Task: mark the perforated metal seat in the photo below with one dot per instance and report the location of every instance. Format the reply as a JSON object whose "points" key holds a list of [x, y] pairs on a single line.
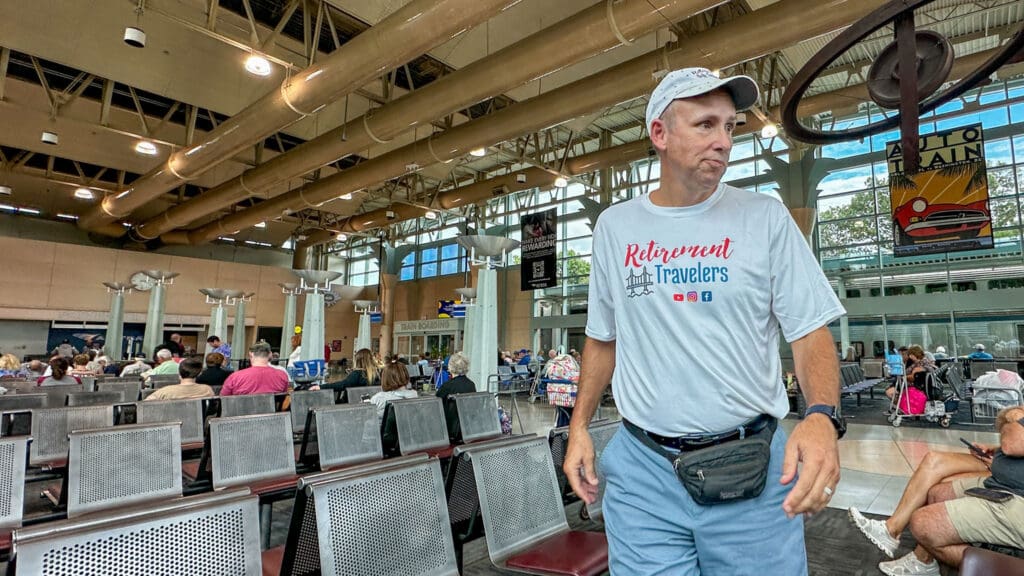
{"points": [[477, 416], [356, 394], [95, 398], [208, 534], [979, 367], [111, 467], [524, 521], [55, 395], [51, 426], [249, 450], [161, 380], [188, 412], [13, 454], [13, 402], [130, 390], [343, 435], [245, 405], [420, 426], [303, 401], [600, 435]]}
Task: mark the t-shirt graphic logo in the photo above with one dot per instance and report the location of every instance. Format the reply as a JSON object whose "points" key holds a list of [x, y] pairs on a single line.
{"points": [[705, 296], [639, 284], [691, 296]]}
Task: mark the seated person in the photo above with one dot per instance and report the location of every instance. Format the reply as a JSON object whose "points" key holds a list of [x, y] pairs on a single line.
{"points": [[917, 363], [458, 365], [94, 365], [259, 378], [10, 367], [58, 374], [214, 374], [34, 369], [188, 369], [364, 373], [137, 367], [942, 518], [81, 366], [979, 353], [394, 386]]}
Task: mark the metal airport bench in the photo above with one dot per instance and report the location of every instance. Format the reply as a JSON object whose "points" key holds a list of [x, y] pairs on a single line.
{"points": [[475, 417], [247, 404], [209, 534], [387, 517], [51, 426], [524, 519], [13, 457], [188, 412], [852, 381], [415, 425], [558, 439], [130, 389], [95, 398], [355, 394], [342, 435], [302, 401]]}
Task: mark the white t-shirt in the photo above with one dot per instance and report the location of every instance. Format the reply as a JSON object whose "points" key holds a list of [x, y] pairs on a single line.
{"points": [[381, 399], [694, 298]]}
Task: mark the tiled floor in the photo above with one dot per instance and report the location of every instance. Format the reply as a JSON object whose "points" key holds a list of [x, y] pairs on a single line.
{"points": [[876, 461]]}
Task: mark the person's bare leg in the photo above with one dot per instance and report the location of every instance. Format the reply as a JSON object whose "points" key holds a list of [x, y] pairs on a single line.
{"points": [[936, 536], [934, 468]]}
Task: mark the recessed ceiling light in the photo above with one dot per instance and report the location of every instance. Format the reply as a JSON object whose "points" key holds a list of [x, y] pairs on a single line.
{"points": [[430, 215], [257, 65], [261, 225], [67, 216], [561, 182], [478, 152], [8, 207], [84, 194], [31, 211], [341, 237], [146, 148], [347, 196], [226, 238]]}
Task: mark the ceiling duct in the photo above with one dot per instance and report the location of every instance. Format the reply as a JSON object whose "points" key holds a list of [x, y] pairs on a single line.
{"points": [[749, 36], [420, 24], [576, 38]]}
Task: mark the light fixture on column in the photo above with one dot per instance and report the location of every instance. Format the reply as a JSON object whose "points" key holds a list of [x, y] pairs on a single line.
{"points": [[316, 280], [561, 182], [290, 288], [366, 306], [466, 295], [489, 251], [219, 295]]}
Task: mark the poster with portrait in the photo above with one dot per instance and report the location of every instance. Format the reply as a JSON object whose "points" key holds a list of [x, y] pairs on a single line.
{"points": [[944, 207], [539, 269]]}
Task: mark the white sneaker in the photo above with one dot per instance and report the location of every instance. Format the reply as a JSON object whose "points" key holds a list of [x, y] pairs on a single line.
{"points": [[909, 565], [876, 531]]}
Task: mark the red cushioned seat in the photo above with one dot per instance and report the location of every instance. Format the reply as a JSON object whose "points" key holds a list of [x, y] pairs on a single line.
{"points": [[274, 485], [5, 541], [569, 553], [272, 560], [190, 469], [191, 446], [442, 453]]}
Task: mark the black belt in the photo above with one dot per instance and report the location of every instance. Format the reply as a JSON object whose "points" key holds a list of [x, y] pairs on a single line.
{"points": [[691, 442]]}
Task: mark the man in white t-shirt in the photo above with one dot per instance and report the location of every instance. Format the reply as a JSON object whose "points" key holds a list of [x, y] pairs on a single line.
{"points": [[690, 286]]}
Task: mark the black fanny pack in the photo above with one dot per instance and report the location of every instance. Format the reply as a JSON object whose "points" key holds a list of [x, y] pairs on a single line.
{"points": [[725, 471]]}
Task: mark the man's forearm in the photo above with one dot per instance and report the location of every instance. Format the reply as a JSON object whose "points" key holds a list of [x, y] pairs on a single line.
{"points": [[817, 367], [1011, 432], [595, 375]]}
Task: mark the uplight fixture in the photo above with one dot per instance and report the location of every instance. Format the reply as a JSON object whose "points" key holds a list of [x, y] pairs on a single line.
{"points": [[261, 225], [346, 196], [769, 130], [478, 152], [67, 216], [84, 194], [146, 148], [561, 182], [257, 65], [430, 215]]}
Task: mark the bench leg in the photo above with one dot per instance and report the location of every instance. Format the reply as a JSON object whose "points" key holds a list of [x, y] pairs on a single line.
{"points": [[266, 511]]}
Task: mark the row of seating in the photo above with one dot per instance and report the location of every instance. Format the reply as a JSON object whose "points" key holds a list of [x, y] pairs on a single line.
{"points": [[852, 380]]}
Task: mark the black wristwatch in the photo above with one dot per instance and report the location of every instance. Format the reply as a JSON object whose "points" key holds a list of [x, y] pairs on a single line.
{"points": [[833, 414]]}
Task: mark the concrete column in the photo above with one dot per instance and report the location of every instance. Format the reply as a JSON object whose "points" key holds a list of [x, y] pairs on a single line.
{"points": [[844, 321], [115, 327], [483, 361], [154, 333], [313, 327], [238, 338], [804, 218], [363, 335], [288, 327], [219, 327], [469, 335], [387, 297]]}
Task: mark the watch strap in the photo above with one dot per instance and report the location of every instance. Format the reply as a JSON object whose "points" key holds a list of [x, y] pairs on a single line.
{"points": [[826, 409]]}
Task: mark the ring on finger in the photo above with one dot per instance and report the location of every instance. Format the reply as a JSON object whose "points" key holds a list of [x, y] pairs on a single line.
{"points": [[828, 492]]}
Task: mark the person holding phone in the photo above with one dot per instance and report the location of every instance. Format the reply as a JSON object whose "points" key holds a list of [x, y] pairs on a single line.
{"points": [[984, 503]]}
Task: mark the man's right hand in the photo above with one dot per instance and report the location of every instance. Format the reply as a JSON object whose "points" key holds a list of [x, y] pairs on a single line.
{"points": [[579, 465]]}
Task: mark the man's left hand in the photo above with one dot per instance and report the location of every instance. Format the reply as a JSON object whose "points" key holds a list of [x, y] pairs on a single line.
{"points": [[813, 443]]}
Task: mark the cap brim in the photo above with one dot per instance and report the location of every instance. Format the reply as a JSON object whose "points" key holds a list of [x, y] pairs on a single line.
{"points": [[743, 89]]}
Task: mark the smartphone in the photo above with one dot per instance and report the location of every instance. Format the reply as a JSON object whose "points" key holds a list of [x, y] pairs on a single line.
{"points": [[978, 451], [987, 494]]}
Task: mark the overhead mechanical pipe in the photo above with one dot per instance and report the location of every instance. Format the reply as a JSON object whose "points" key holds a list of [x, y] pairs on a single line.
{"points": [[410, 31], [780, 24], [623, 154], [588, 33]]}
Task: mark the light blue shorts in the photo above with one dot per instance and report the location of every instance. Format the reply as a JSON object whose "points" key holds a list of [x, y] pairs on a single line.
{"points": [[655, 527]]}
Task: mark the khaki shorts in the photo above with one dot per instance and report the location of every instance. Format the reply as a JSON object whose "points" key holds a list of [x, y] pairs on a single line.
{"points": [[977, 520]]}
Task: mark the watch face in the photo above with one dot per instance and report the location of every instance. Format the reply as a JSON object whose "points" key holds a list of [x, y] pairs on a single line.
{"points": [[142, 282]]}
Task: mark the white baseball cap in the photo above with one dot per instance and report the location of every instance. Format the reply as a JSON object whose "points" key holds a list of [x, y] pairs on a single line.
{"points": [[689, 82]]}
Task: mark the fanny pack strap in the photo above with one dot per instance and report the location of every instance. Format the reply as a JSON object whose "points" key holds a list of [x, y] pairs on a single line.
{"points": [[646, 440]]}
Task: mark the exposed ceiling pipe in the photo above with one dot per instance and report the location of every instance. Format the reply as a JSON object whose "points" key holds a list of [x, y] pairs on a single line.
{"points": [[410, 31], [482, 191], [749, 36], [587, 33]]}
